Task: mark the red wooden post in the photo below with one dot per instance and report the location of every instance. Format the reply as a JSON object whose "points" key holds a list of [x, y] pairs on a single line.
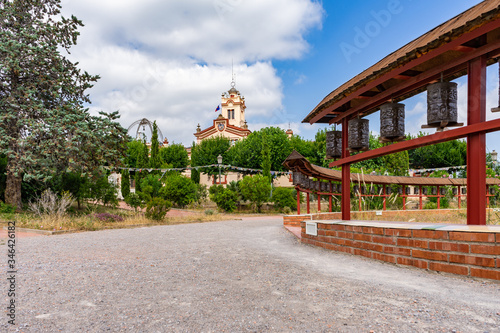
{"points": [[404, 197], [488, 196], [346, 175], [330, 197], [459, 197], [420, 195], [308, 204], [476, 143], [385, 198], [319, 203], [298, 201], [439, 197]]}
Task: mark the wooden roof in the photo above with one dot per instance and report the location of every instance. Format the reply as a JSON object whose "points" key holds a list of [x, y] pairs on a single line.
{"points": [[298, 163], [443, 50]]}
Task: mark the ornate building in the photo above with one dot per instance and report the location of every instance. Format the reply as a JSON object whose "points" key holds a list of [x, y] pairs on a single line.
{"points": [[231, 121]]}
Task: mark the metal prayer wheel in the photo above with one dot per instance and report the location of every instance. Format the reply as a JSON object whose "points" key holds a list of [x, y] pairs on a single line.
{"points": [[388, 190], [296, 178], [324, 187], [442, 190], [434, 191], [424, 191], [363, 189], [442, 104], [415, 190], [464, 190], [455, 191], [492, 190], [334, 188], [408, 191], [359, 135], [333, 144], [355, 189], [392, 122], [372, 190], [400, 190]]}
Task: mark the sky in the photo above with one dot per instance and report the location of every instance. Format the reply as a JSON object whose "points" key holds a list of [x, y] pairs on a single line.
{"points": [[169, 61]]}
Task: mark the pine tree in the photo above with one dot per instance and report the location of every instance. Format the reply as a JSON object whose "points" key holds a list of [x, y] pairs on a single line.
{"points": [[155, 160], [44, 128], [125, 184]]}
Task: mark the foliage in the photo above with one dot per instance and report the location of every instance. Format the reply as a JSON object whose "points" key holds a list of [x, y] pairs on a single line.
{"points": [[224, 198], [108, 217], [441, 155], [248, 153], [157, 208], [134, 201], [134, 150], [284, 197], [43, 97], [101, 190], [256, 189], [208, 150], [6, 208], [125, 183], [155, 160], [175, 155], [151, 187], [195, 176], [49, 205], [180, 190], [142, 162]]}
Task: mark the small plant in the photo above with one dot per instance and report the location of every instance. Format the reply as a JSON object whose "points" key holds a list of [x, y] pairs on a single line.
{"points": [[134, 201], [157, 208], [107, 217], [209, 212], [6, 208], [284, 198], [224, 198], [49, 205]]}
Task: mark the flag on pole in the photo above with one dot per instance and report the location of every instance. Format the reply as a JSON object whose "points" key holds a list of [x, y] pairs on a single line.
{"points": [[218, 108]]}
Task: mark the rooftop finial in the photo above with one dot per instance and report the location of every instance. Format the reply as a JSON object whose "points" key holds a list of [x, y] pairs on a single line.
{"points": [[233, 83]]}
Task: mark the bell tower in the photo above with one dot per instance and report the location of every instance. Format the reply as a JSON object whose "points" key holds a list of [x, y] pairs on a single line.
{"points": [[233, 106]]}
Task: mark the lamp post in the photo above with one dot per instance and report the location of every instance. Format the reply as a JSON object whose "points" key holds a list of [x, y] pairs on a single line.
{"points": [[219, 161], [494, 156]]}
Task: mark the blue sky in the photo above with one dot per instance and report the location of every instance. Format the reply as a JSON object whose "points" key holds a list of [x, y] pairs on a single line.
{"points": [[170, 61]]}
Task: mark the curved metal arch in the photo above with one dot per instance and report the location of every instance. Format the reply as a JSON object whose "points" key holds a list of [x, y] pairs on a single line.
{"points": [[143, 122]]}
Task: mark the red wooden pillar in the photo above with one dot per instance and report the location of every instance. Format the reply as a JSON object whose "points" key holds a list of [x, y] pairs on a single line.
{"points": [[330, 198], [404, 197], [420, 196], [384, 198], [298, 201], [459, 197], [346, 175], [476, 143], [439, 197], [308, 204], [319, 203], [487, 196]]}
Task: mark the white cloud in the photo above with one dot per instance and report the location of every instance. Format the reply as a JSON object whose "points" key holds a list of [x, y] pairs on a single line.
{"points": [[170, 61]]}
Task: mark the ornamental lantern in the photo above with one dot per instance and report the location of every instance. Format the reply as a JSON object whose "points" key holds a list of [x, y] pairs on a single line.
{"points": [[392, 122], [359, 134], [442, 105], [333, 144]]}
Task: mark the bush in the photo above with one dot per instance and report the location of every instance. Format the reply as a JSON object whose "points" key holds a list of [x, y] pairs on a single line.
{"points": [[6, 208], [107, 217], [180, 190], [134, 201], [256, 189], [157, 208], [224, 198], [284, 197], [50, 205]]}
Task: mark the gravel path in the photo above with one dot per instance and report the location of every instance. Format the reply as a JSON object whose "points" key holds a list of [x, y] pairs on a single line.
{"points": [[231, 276]]}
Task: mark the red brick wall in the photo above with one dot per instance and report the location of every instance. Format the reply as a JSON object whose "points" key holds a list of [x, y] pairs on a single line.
{"points": [[475, 254], [294, 220]]}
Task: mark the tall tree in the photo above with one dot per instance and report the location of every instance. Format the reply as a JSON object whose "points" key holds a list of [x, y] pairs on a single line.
{"points": [[43, 125], [175, 155], [207, 151], [154, 160], [142, 162]]}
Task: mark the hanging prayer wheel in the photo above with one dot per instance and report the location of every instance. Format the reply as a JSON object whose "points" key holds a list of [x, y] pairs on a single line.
{"points": [[434, 191], [359, 134], [355, 189], [296, 178], [442, 105], [464, 190], [334, 188], [325, 187], [424, 191], [392, 122], [442, 190], [455, 191], [492, 191], [388, 190], [333, 144], [415, 190], [400, 190], [408, 191]]}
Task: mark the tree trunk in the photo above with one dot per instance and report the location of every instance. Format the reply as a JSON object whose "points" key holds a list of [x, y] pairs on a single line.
{"points": [[13, 190]]}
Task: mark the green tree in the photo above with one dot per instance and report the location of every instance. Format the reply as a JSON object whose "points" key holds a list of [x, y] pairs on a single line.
{"points": [[256, 189], [266, 159], [284, 197], [180, 190], [175, 155], [142, 162], [155, 160], [224, 198], [441, 155], [134, 150], [207, 151], [125, 183], [42, 99]]}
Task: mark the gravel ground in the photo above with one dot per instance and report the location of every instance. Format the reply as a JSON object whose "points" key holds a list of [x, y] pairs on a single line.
{"points": [[232, 276]]}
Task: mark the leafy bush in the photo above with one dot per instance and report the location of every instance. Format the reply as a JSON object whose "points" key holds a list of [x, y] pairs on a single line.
{"points": [[209, 212], [224, 198], [180, 190], [284, 197], [6, 208], [134, 201], [256, 189], [157, 208]]}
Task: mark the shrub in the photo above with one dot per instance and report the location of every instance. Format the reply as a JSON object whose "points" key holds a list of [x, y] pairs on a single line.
{"points": [[256, 189], [107, 217], [284, 197], [6, 208], [157, 208], [50, 205], [209, 212], [224, 198], [134, 201], [180, 190]]}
